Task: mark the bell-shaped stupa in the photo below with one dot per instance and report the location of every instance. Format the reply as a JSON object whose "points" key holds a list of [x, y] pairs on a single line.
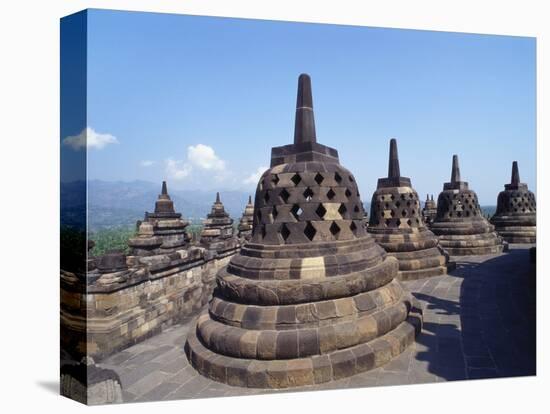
{"points": [[396, 224], [460, 224], [516, 216], [311, 298], [429, 211], [247, 219]]}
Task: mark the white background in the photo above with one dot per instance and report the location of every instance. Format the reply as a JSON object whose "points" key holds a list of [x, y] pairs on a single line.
{"points": [[29, 171]]}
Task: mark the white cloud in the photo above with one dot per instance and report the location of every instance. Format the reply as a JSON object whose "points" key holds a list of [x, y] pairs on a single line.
{"points": [[178, 170], [91, 137], [204, 157], [254, 178], [146, 163], [200, 158]]}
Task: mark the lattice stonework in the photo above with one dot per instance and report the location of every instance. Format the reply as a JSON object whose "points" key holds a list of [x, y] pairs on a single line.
{"points": [[460, 204], [516, 202], [399, 208], [300, 206]]}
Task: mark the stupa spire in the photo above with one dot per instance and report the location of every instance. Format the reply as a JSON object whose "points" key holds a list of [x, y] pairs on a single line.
{"points": [[304, 127], [394, 178], [218, 198], [305, 146], [249, 199], [393, 165], [455, 172], [164, 190], [515, 174]]}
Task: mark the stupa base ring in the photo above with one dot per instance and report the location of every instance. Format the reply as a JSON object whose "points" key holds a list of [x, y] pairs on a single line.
{"points": [[420, 264], [520, 239], [281, 373], [422, 273], [518, 234], [475, 251]]}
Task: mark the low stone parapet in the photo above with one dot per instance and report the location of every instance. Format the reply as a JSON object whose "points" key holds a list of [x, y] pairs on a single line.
{"points": [[105, 313]]}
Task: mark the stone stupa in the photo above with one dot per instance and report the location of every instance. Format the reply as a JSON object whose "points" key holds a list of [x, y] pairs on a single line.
{"points": [[161, 232], [460, 224], [311, 298], [218, 233], [247, 219], [516, 217], [396, 224], [429, 211]]}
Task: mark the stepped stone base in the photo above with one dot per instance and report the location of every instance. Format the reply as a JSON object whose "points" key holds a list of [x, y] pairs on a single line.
{"points": [[518, 234], [418, 253], [467, 245], [285, 373], [423, 273], [475, 237]]}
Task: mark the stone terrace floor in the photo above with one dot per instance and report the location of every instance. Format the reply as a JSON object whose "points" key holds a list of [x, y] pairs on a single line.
{"points": [[479, 322]]}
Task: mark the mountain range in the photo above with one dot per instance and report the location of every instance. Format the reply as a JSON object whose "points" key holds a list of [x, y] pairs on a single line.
{"points": [[121, 204]]}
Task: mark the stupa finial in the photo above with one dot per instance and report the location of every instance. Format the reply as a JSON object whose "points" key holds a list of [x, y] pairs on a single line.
{"points": [[515, 173], [164, 190], [394, 178], [218, 198], [304, 127], [393, 165], [455, 173], [249, 199]]}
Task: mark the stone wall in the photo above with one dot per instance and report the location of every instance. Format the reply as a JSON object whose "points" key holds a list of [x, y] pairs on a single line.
{"points": [[100, 319]]}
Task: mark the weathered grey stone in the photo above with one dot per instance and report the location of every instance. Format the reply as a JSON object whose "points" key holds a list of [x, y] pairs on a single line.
{"points": [[460, 224], [515, 219], [396, 223], [297, 300]]}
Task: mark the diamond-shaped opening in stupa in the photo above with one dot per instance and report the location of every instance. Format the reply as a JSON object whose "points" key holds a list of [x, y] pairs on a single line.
{"points": [[310, 231]]}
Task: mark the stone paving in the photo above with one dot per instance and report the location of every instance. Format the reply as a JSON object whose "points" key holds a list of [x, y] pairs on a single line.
{"points": [[479, 322]]}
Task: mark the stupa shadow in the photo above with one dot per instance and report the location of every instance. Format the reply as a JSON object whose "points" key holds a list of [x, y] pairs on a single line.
{"points": [[438, 305], [489, 330]]}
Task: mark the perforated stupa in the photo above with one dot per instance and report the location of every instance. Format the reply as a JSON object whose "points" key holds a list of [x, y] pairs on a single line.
{"points": [[516, 216], [396, 224], [460, 224], [311, 298]]}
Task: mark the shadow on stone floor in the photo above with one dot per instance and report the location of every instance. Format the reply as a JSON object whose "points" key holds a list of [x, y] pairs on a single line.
{"points": [[490, 331]]}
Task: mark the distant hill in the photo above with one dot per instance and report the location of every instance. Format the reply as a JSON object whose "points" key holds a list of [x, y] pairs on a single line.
{"points": [[121, 204], [73, 204], [488, 210]]}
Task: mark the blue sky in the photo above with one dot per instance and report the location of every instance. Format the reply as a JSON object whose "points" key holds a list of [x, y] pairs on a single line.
{"points": [[200, 101]]}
